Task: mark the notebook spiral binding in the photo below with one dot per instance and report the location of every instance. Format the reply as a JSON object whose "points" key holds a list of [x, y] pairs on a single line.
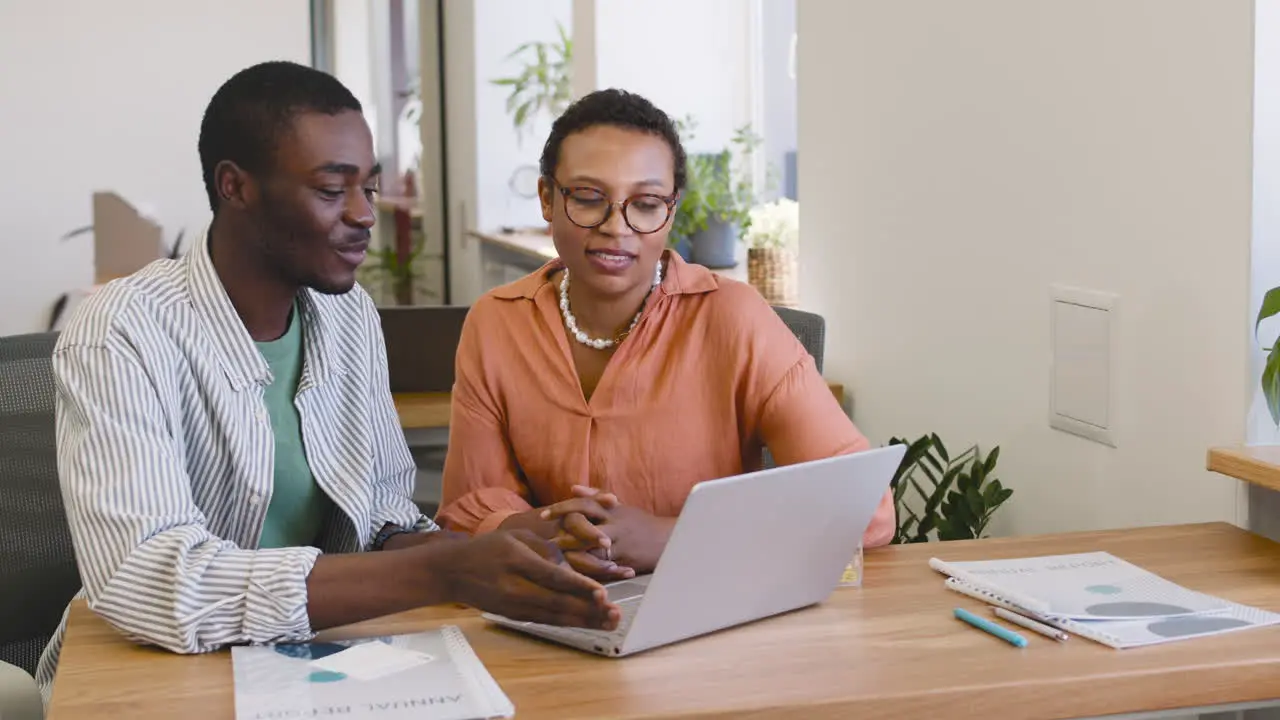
{"points": [[473, 673], [1065, 624]]}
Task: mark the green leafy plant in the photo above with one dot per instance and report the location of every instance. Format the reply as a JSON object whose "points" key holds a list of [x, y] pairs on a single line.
{"points": [[959, 494], [543, 83], [385, 264], [1271, 371], [718, 185]]}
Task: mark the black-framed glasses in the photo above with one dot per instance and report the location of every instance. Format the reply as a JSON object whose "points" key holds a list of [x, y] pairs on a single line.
{"points": [[588, 207]]}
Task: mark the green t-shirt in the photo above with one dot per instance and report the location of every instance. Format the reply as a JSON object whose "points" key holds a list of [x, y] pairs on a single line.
{"points": [[298, 505]]}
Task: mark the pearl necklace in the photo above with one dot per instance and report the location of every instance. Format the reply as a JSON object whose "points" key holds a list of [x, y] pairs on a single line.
{"points": [[571, 322]]}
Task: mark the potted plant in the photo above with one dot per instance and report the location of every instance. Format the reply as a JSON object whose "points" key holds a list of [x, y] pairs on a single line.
{"points": [[959, 493], [714, 207], [773, 240], [394, 268], [1270, 371], [543, 83]]}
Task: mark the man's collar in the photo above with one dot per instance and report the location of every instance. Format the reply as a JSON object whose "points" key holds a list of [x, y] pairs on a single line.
{"points": [[241, 359], [681, 278]]}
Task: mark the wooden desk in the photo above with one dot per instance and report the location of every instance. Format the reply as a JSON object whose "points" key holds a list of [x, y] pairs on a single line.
{"points": [[889, 650], [431, 410], [423, 410], [1257, 464]]}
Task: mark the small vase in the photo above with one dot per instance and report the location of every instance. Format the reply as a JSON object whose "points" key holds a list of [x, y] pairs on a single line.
{"points": [[772, 272]]}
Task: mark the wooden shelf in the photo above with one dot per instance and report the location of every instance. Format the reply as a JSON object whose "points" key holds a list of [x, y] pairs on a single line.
{"points": [[1256, 464], [538, 245], [391, 203]]}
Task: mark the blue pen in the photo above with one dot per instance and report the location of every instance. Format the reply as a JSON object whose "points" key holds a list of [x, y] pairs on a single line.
{"points": [[986, 625]]}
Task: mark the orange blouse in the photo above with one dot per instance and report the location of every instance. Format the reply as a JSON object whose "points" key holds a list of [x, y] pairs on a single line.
{"points": [[709, 376]]}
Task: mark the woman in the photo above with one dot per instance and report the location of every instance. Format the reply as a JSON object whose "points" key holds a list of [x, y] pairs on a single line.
{"points": [[615, 378]]}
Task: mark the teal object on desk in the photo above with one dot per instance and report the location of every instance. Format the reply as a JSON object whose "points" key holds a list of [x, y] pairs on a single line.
{"points": [[986, 625]]}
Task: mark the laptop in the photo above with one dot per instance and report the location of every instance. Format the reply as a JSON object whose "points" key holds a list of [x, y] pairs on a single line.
{"points": [[744, 548], [422, 344]]}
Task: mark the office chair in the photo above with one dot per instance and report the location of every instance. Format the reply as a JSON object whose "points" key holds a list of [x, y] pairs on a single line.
{"points": [[809, 328], [37, 561]]}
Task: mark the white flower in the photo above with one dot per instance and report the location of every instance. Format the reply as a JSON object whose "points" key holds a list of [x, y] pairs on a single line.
{"points": [[775, 225]]}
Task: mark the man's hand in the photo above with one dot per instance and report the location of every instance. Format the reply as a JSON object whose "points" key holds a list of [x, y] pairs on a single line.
{"points": [[596, 564], [521, 576], [596, 522]]}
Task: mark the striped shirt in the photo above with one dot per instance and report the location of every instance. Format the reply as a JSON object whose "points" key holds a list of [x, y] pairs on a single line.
{"points": [[166, 456]]}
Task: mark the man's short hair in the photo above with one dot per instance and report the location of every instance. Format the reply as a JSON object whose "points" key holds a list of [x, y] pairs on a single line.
{"points": [[250, 112], [618, 108]]}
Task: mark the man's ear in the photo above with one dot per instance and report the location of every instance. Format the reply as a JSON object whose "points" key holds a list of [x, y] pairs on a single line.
{"points": [[546, 196], [235, 186]]}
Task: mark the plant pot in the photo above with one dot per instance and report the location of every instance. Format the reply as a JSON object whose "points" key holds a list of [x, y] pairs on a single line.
{"points": [[682, 248], [772, 271], [716, 246], [402, 288]]}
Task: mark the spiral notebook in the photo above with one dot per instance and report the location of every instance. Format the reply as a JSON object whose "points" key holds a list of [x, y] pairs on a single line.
{"points": [[432, 674], [1101, 597]]}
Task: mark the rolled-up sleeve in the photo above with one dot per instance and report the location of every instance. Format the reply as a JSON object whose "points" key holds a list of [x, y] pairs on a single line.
{"points": [[148, 563], [801, 421], [791, 408]]}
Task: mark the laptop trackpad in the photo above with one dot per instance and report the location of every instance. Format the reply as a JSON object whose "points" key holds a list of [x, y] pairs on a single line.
{"points": [[626, 590]]}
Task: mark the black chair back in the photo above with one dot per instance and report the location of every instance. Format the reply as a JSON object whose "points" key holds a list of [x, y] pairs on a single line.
{"points": [[38, 574], [810, 329]]}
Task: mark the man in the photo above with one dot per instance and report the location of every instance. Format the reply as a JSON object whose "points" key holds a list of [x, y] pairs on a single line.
{"points": [[226, 435]]}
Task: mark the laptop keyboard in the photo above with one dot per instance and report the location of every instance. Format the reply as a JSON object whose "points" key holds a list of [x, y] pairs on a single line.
{"points": [[628, 607]]}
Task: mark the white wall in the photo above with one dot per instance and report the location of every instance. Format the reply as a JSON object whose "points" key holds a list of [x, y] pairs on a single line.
{"points": [[686, 57], [958, 158], [109, 95]]}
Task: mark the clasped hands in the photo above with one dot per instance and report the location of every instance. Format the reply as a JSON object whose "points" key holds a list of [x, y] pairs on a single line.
{"points": [[605, 539]]}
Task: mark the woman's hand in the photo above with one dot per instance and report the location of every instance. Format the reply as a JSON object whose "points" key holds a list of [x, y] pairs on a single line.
{"points": [[586, 547], [578, 518], [596, 522], [584, 555]]}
